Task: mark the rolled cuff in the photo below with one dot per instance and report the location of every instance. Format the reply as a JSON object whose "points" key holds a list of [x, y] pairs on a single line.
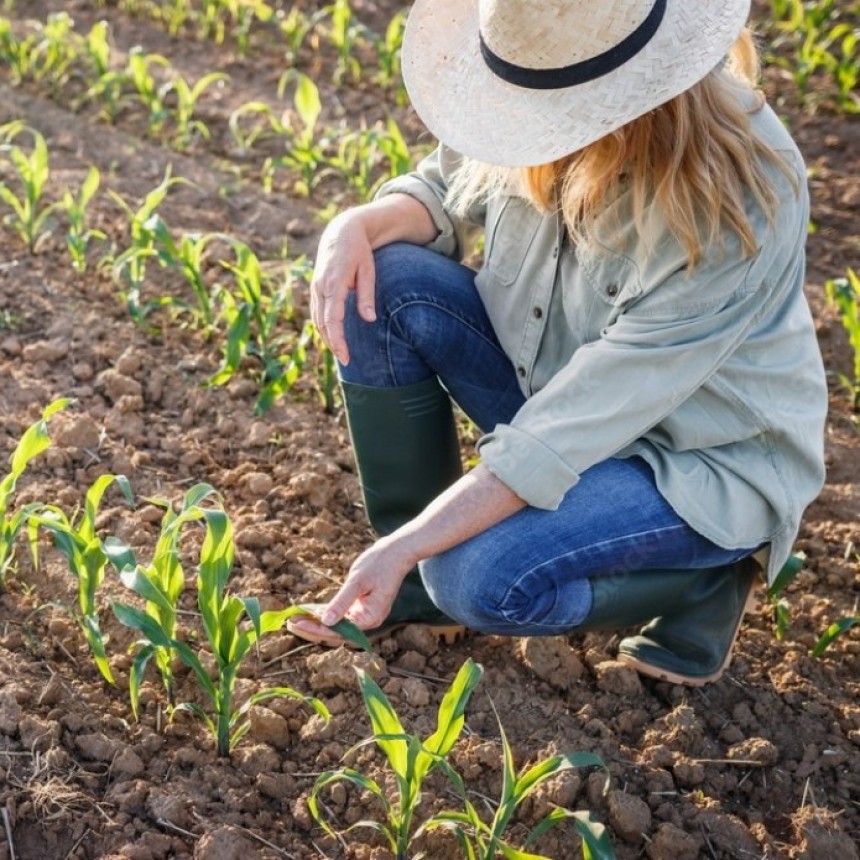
{"points": [[534, 472], [445, 242]]}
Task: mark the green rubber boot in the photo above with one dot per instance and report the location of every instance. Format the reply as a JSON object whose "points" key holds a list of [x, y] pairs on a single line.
{"points": [[406, 450], [693, 618], [692, 643]]}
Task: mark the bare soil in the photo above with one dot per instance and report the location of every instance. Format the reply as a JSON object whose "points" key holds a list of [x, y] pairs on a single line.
{"points": [[765, 763]]}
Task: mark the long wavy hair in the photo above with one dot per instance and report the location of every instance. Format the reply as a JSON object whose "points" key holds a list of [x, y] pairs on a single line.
{"points": [[695, 156]]}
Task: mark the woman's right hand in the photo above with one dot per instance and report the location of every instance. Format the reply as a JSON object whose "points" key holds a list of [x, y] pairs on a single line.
{"points": [[344, 262]]}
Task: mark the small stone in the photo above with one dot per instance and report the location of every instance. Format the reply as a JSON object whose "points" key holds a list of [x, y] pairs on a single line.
{"points": [[671, 843], [754, 749], [688, 773], [270, 728], [83, 371], [10, 712], [415, 692], [259, 435], [629, 816], [96, 747], [129, 362], [129, 403], [38, 735], [224, 843], [552, 660], [11, 346], [82, 432], [116, 385], [259, 484], [127, 764], [335, 669], [46, 350], [618, 679]]}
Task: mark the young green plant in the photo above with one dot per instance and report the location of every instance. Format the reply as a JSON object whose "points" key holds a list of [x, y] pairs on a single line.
{"points": [[484, 841], [844, 295], [144, 227], [33, 442], [28, 215], [410, 758], [79, 235], [253, 314], [76, 539], [229, 639], [186, 97], [161, 583]]}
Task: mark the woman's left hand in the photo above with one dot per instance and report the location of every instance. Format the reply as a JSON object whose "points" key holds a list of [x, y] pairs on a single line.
{"points": [[368, 593]]}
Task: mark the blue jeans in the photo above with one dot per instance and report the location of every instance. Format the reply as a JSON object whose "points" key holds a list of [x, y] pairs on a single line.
{"points": [[530, 574]]}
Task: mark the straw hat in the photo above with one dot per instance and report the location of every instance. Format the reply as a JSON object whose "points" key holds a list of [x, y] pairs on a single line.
{"points": [[524, 82]]}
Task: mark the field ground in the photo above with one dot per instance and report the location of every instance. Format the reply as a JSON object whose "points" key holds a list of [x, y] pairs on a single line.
{"points": [[765, 763]]}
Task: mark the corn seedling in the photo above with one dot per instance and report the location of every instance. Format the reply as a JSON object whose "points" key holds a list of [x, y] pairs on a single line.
{"points": [[779, 604], [296, 26], [28, 216], [57, 49], [188, 257], [844, 295], [485, 841], [160, 584], [144, 228], [410, 758], [108, 86], [33, 442], [360, 154], [229, 640], [78, 235], [149, 92], [304, 154], [833, 632], [387, 49], [18, 53], [186, 97], [76, 539], [821, 43], [253, 314], [344, 33]]}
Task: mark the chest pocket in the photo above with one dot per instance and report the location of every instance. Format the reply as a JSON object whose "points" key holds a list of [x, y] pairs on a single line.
{"points": [[613, 278], [511, 227]]}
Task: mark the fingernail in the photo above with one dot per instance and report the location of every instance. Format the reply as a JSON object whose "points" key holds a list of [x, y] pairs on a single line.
{"points": [[369, 312], [328, 618]]}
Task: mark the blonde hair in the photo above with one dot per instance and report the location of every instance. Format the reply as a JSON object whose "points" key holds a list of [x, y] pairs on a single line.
{"points": [[695, 156]]}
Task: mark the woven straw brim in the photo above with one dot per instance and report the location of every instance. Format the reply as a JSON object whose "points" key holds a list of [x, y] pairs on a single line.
{"points": [[479, 115]]}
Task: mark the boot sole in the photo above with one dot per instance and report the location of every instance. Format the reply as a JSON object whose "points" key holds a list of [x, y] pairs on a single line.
{"points": [[652, 671], [447, 633]]}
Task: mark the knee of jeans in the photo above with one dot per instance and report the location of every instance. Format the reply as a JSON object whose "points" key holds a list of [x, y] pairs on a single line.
{"points": [[467, 599]]}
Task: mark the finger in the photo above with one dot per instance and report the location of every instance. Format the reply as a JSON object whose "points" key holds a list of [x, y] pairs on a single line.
{"points": [[365, 289], [340, 604]]}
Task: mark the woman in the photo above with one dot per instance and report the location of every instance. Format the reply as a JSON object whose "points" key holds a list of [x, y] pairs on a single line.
{"points": [[636, 346]]}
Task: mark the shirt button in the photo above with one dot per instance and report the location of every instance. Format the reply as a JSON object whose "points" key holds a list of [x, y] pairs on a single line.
{"points": [[521, 371], [537, 313], [555, 251], [612, 291]]}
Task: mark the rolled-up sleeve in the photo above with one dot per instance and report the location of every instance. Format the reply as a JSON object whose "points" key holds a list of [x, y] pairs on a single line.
{"points": [[428, 184], [617, 388]]}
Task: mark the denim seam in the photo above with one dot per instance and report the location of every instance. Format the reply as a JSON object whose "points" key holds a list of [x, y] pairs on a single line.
{"points": [[439, 307]]}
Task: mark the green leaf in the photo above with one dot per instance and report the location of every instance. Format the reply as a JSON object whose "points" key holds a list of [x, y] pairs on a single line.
{"points": [[833, 632], [384, 721], [786, 574], [595, 838]]}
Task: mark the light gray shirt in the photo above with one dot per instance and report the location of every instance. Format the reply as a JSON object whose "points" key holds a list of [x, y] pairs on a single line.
{"points": [[713, 376]]}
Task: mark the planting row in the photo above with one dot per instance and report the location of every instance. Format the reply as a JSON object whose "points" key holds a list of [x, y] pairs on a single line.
{"points": [[85, 70], [232, 628]]}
